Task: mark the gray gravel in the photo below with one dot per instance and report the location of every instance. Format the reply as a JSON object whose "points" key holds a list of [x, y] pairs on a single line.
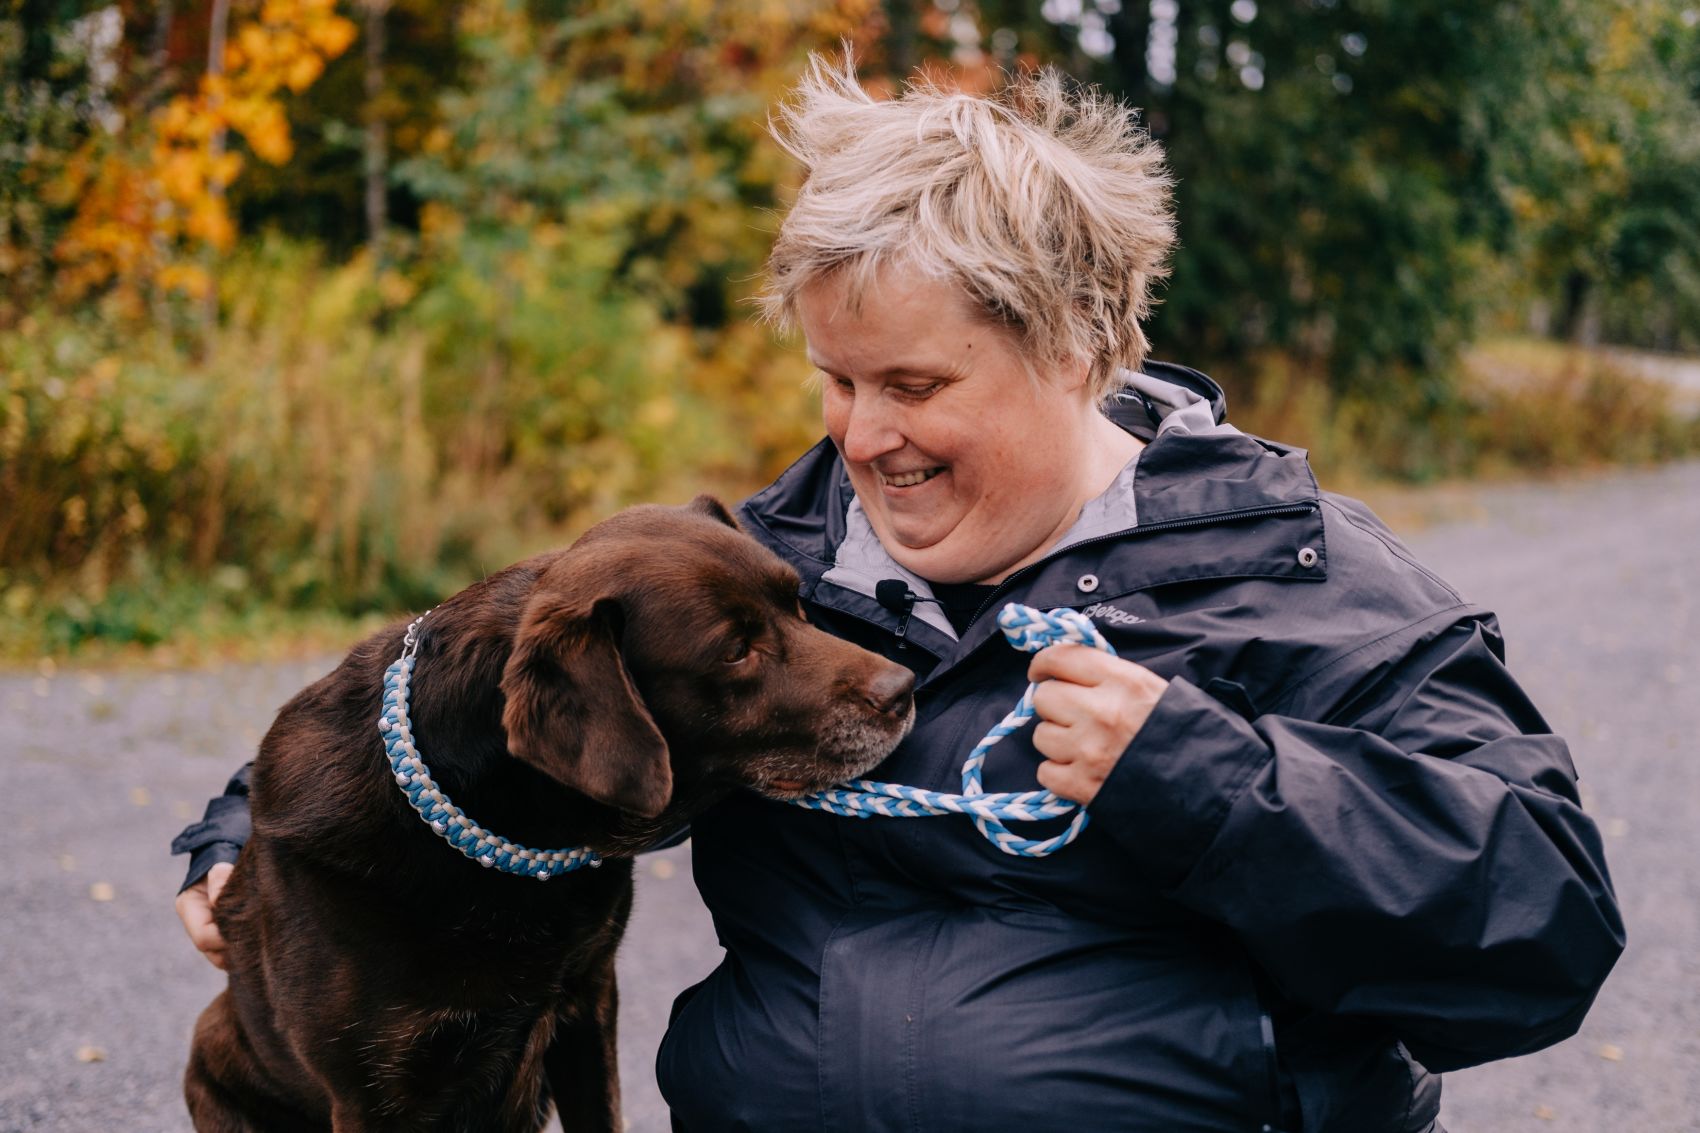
{"points": [[1594, 580]]}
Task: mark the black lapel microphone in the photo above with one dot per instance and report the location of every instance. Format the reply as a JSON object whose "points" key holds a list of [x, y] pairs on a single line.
{"points": [[894, 594]]}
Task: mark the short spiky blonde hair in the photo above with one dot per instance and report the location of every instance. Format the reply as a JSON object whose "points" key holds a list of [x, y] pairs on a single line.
{"points": [[1046, 204]]}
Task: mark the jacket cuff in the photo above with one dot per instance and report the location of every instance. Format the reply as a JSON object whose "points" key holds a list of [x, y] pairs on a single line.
{"points": [[202, 860], [1173, 787], [227, 820]]}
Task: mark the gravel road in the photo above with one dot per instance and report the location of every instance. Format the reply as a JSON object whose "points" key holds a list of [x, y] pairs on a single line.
{"points": [[1596, 584]]}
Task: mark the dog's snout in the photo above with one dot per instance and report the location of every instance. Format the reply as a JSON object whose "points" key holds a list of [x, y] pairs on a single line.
{"points": [[888, 691]]}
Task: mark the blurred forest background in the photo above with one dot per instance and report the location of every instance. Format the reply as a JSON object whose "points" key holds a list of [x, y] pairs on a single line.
{"points": [[313, 310]]}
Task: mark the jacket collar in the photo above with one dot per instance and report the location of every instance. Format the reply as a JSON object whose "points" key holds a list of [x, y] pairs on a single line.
{"points": [[1195, 471]]}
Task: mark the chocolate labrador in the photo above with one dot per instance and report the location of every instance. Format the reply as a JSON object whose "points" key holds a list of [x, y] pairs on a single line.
{"points": [[593, 699]]}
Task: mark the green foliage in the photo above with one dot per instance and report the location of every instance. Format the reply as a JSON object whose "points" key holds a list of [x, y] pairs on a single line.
{"points": [[313, 456], [1351, 171], [580, 197], [617, 127]]}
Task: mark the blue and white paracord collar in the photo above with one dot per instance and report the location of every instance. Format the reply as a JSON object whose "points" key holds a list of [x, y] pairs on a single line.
{"points": [[1028, 630], [447, 820]]}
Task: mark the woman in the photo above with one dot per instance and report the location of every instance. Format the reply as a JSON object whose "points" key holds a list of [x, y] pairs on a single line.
{"points": [[1333, 850]]}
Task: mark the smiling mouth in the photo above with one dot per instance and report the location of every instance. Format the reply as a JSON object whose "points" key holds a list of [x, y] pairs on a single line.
{"points": [[910, 479]]}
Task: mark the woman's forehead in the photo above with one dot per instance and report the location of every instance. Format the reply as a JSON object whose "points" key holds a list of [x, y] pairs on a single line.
{"points": [[903, 326]]}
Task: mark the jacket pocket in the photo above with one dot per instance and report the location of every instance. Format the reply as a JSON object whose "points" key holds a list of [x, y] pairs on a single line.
{"points": [[1264, 1077]]}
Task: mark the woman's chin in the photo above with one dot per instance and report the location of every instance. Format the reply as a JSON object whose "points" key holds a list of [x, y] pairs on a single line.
{"points": [[940, 563]]}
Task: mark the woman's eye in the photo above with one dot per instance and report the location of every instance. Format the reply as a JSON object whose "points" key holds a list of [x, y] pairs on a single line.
{"points": [[919, 392]]}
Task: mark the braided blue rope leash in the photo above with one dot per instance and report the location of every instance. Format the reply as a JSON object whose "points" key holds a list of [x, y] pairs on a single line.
{"points": [[1028, 630], [445, 818]]}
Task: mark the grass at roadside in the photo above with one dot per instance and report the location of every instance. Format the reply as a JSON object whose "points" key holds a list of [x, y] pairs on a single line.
{"points": [[1518, 408]]}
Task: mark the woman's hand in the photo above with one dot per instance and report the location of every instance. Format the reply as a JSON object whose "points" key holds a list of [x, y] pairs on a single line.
{"points": [[195, 910], [1090, 706]]}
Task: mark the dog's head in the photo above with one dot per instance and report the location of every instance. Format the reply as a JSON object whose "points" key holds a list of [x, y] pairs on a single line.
{"points": [[665, 655]]}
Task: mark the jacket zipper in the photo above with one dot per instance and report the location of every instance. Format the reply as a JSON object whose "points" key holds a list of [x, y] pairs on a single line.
{"points": [[903, 623]]}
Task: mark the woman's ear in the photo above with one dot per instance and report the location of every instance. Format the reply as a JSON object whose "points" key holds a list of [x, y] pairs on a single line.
{"points": [[573, 712]]}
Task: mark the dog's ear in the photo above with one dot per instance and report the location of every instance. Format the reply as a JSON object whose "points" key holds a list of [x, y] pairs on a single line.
{"points": [[573, 713], [708, 505]]}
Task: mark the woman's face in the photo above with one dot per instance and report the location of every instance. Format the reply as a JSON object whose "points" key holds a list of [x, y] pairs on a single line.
{"points": [[967, 468]]}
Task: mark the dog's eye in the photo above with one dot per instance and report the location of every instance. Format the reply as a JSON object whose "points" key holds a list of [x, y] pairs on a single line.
{"points": [[737, 653]]}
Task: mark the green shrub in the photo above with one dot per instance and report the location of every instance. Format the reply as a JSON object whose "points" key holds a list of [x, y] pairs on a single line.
{"points": [[341, 444]]}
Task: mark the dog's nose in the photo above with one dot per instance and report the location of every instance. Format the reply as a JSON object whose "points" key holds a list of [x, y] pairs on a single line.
{"points": [[889, 691]]}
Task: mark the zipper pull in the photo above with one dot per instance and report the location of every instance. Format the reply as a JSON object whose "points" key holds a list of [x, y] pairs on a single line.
{"points": [[903, 623], [894, 594]]}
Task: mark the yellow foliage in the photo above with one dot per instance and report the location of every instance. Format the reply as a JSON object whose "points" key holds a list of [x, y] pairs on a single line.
{"points": [[147, 206], [303, 72]]}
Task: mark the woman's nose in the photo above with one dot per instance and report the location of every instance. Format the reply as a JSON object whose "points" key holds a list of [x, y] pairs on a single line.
{"points": [[869, 432]]}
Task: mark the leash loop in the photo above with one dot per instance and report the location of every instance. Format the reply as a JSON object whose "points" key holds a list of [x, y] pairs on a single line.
{"points": [[1028, 630]]}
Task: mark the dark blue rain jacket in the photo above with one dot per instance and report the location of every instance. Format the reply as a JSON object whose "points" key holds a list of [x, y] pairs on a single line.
{"points": [[1344, 854]]}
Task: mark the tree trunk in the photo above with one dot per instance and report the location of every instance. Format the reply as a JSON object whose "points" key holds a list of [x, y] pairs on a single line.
{"points": [[159, 78], [216, 36], [159, 55], [902, 23], [1581, 309], [377, 132]]}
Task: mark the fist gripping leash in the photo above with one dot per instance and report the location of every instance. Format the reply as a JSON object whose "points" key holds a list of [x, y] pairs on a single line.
{"points": [[1028, 630]]}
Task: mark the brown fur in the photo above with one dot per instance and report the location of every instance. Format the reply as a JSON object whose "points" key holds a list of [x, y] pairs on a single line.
{"points": [[596, 696]]}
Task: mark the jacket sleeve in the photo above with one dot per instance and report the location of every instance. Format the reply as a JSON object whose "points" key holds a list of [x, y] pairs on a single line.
{"points": [[221, 832], [224, 829], [1411, 852]]}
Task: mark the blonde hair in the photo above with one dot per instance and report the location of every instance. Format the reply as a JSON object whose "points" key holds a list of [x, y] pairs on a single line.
{"points": [[1047, 205]]}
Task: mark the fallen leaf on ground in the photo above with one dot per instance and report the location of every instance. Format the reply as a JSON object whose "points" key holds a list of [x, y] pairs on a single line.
{"points": [[139, 796], [662, 869], [67, 862], [90, 1054], [102, 891], [1545, 1112], [1611, 1052]]}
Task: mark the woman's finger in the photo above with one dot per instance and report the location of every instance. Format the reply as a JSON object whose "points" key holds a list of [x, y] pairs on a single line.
{"points": [[1052, 741], [1060, 702], [1077, 664]]}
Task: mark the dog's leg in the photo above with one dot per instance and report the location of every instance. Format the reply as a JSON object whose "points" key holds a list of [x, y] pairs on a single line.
{"points": [[583, 1061], [219, 1066], [225, 1086]]}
